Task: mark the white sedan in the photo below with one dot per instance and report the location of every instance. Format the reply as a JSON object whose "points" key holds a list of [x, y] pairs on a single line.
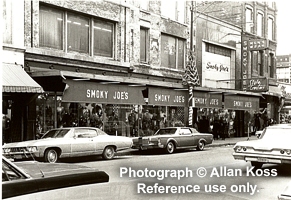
{"points": [[273, 146], [68, 142]]}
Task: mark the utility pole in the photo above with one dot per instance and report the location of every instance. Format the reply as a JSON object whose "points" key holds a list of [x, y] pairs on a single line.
{"points": [[191, 77]]}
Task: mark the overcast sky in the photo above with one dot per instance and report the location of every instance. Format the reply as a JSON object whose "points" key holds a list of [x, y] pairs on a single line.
{"points": [[283, 27]]}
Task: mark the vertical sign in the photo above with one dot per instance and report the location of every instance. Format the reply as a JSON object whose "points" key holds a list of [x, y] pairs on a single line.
{"points": [[244, 62]]}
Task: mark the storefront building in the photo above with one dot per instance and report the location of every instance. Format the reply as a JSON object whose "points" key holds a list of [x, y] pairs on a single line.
{"points": [[19, 90], [117, 108]]}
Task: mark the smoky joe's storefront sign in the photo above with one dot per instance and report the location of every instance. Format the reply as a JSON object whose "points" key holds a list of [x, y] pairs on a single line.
{"points": [[168, 97], [81, 91], [241, 103], [207, 100]]}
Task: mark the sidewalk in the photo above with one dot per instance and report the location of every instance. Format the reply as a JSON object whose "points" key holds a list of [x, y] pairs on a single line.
{"points": [[215, 143], [230, 141]]}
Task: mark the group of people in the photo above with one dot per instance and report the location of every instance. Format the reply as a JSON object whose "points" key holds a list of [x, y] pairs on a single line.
{"points": [[219, 127]]}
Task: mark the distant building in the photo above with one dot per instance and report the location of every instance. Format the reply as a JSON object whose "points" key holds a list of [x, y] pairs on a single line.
{"points": [[283, 70]]}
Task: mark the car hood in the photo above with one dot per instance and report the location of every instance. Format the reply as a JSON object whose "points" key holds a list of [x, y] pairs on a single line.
{"points": [[38, 169], [32, 142], [265, 144]]}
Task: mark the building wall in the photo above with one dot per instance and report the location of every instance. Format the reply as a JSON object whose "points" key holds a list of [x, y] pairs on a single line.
{"points": [[235, 13], [284, 68], [13, 32], [213, 31], [128, 18]]}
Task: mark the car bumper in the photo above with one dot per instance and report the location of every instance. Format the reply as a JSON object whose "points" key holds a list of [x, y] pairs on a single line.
{"points": [[20, 156], [262, 158], [148, 146]]}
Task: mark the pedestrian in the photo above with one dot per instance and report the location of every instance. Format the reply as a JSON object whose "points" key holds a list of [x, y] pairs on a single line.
{"points": [[204, 125], [216, 127], [224, 127]]}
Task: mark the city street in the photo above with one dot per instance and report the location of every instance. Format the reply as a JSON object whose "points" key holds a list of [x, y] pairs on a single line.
{"points": [[144, 176]]}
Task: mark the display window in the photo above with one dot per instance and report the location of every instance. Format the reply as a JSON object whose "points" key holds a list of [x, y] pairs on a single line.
{"points": [[115, 119]]}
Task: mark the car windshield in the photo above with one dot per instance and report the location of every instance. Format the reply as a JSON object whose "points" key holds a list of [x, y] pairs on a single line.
{"points": [[166, 131], [274, 134], [60, 133]]}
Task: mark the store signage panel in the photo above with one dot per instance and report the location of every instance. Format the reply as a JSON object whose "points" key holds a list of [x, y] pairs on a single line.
{"points": [[244, 62], [207, 100], [241, 103], [81, 91], [257, 44], [257, 85], [215, 67], [215, 100], [168, 97]]}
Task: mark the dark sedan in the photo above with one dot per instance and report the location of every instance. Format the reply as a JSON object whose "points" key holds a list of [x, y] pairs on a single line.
{"points": [[173, 138]]}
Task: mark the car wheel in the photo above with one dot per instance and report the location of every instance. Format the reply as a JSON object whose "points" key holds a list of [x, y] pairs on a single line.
{"points": [[256, 165], [108, 153], [51, 156], [170, 148], [201, 145]]}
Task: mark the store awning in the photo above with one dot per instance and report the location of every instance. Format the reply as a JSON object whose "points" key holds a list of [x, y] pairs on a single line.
{"points": [[93, 92], [15, 79], [236, 102]]}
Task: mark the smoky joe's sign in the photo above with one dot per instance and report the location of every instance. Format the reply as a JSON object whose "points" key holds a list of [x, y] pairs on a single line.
{"points": [[217, 67], [171, 97], [78, 91]]}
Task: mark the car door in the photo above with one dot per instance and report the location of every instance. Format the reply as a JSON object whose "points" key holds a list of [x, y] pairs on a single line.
{"points": [[186, 137], [83, 142]]}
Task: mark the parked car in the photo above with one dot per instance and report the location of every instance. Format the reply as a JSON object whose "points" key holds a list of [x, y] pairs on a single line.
{"points": [[17, 183], [68, 142], [273, 146], [173, 138]]}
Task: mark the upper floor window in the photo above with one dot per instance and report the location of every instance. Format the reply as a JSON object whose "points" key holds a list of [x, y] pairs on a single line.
{"points": [[174, 10], [144, 44], [270, 28], [212, 48], [51, 24], [249, 19], [173, 52], [103, 38], [70, 31], [260, 20], [78, 33]]}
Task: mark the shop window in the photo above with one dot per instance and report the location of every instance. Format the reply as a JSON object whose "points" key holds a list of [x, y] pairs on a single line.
{"points": [[113, 119], [144, 40], [79, 36], [173, 52]]}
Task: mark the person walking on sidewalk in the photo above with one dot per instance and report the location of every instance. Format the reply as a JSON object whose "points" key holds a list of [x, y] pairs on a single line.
{"points": [[216, 127], [224, 127]]}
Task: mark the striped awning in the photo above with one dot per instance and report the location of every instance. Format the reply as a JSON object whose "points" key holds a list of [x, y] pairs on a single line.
{"points": [[15, 79]]}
